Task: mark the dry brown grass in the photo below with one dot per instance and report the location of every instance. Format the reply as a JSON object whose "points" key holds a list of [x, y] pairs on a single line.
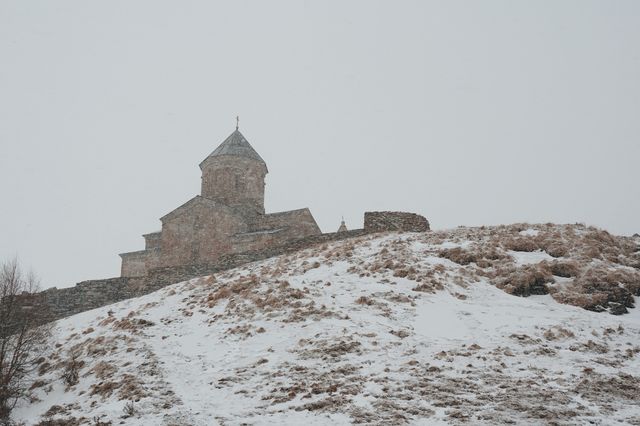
{"points": [[103, 370], [108, 320], [558, 332], [526, 280], [526, 244], [601, 278], [364, 300], [104, 388], [609, 288], [593, 258], [604, 389], [483, 257], [132, 324], [565, 268], [129, 388], [556, 249], [38, 384], [221, 293], [430, 286]]}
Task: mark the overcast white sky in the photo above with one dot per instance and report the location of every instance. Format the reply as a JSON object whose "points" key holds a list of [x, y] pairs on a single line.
{"points": [[470, 113]]}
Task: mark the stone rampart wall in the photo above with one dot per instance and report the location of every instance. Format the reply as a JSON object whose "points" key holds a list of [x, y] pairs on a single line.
{"points": [[93, 294], [395, 221]]}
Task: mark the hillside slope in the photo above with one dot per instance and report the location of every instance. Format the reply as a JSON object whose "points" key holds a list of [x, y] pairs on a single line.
{"points": [[387, 329]]}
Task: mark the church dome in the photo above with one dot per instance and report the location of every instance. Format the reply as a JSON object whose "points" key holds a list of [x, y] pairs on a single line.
{"points": [[234, 175], [235, 145]]}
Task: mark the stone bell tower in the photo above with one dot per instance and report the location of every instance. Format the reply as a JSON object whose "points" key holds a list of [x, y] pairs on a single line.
{"points": [[234, 174]]}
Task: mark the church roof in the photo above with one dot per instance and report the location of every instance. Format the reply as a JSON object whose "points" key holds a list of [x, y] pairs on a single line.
{"points": [[236, 144]]}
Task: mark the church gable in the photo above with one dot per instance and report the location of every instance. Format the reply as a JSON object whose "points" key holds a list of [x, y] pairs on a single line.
{"points": [[198, 232], [190, 205]]}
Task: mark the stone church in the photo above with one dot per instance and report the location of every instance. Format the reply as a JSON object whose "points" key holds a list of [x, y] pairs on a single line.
{"points": [[227, 217]]}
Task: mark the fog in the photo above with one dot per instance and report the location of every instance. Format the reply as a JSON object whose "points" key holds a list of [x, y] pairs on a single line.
{"points": [[470, 113]]}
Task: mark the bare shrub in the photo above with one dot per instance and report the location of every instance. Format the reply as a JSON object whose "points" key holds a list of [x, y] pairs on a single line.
{"points": [[97, 421], [71, 372], [22, 335], [129, 409]]}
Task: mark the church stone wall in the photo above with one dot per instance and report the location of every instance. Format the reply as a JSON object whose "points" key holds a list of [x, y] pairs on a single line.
{"points": [[203, 231], [295, 223], [200, 234], [152, 241], [235, 182], [134, 264], [275, 229]]}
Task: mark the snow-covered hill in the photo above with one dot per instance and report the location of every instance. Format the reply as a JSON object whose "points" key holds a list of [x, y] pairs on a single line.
{"points": [[387, 329]]}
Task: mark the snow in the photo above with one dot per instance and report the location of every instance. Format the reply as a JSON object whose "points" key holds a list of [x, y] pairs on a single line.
{"points": [[435, 319], [320, 339], [528, 258]]}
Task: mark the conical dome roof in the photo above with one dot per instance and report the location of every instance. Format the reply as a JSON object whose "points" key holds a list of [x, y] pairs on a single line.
{"points": [[236, 144]]}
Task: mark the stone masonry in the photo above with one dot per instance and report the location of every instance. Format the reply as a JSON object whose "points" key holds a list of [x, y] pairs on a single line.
{"points": [[228, 217], [394, 221]]}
